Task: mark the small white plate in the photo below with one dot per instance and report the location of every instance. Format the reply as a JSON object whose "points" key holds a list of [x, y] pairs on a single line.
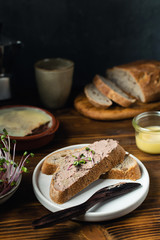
{"points": [[105, 210]]}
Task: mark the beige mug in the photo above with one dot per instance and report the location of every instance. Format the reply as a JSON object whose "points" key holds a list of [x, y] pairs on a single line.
{"points": [[54, 81]]}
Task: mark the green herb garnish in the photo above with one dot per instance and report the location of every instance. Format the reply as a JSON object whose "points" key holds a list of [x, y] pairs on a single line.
{"points": [[87, 148], [82, 159]]}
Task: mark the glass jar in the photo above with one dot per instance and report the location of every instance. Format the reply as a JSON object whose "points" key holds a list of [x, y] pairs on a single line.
{"points": [[147, 131]]}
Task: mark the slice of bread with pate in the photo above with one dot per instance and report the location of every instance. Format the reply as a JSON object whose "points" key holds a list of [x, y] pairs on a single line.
{"points": [[81, 168], [54, 161], [128, 169]]}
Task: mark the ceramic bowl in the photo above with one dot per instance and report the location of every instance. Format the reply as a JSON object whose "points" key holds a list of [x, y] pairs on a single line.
{"points": [[36, 140], [9, 194]]}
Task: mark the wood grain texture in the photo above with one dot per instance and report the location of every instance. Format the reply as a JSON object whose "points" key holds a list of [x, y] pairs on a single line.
{"points": [[114, 112], [144, 223]]}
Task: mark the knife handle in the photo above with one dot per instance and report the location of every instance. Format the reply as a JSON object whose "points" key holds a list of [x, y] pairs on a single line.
{"points": [[59, 216]]}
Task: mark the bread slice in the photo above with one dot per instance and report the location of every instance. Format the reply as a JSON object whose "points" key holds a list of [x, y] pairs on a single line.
{"points": [[112, 91], [128, 169], [56, 159], [69, 179], [140, 79], [95, 97]]}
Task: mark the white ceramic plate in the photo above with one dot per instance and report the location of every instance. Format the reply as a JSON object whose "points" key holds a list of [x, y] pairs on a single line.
{"points": [[102, 211]]}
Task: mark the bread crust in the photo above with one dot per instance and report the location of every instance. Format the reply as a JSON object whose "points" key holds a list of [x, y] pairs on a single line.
{"points": [[147, 75], [115, 156], [132, 173], [111, 93]]}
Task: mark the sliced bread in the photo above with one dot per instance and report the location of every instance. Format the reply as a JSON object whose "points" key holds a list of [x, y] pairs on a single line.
{"points": [[112, 91], [84, 167], [128, 169], [95, 97], [55, 160], [141, 79]]}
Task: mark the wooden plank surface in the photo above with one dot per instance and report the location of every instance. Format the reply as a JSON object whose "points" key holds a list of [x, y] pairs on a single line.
{"points": [[17, 214]]}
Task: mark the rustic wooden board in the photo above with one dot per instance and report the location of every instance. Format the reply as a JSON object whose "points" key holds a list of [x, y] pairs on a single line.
{"points": [[114, 112]]}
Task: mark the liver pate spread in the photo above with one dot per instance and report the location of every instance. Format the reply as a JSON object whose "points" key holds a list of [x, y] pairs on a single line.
{"points": [[79, 163]]}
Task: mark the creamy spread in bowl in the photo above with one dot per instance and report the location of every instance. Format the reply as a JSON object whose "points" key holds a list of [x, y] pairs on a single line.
{"points": [[23, 121], [30, 126]]}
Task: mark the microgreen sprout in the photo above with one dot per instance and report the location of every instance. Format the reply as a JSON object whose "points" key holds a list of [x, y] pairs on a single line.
{"points": [[10, 171], [82, 159], [87, 148]]}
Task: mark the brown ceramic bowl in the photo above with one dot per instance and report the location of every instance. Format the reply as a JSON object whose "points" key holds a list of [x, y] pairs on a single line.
{"points": [[36, 140]]}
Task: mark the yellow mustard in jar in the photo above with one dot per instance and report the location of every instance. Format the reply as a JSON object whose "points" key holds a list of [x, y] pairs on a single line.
{"points": [[147, 131], [149, 141]]}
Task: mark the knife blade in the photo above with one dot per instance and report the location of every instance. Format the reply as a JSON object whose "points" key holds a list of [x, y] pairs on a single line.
{"points": [[105, 193]]}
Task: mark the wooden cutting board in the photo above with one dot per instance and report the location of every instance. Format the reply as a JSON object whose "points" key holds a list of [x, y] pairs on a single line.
{"points": [[114, 112]]}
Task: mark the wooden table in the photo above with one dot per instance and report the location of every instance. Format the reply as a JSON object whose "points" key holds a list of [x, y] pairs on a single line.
{"points": [[17, 214]]}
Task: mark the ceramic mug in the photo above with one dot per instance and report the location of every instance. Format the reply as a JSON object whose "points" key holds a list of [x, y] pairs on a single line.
{"points": [[54, 81]]}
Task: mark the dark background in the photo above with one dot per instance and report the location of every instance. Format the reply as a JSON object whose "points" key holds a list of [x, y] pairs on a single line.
{"points": [[95, 34]]}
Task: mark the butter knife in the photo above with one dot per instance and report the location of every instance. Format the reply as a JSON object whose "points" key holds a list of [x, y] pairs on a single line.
{"points": [[105, 193]]}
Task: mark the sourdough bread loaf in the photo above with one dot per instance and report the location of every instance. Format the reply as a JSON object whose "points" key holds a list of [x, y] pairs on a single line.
{"points": [[97, 158], [95, 97], [141, 79], [128, 169], [112, 91]]}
